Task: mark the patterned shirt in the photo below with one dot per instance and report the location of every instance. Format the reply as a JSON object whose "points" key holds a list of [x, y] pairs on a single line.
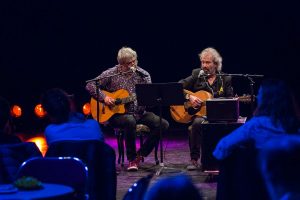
{"points": [[114, 79]]}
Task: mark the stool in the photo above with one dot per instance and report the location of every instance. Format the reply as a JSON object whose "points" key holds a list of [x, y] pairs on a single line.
{"points": [[141, 131]]}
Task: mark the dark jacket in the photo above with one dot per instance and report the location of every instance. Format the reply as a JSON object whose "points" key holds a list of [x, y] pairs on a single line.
{"points": [[220, 88]]}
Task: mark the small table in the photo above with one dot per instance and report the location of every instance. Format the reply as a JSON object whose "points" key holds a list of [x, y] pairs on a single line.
{"points": [[212, 133], [48, 191]]}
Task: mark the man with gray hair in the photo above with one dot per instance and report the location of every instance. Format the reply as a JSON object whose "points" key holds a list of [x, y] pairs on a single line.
{"points": [[206, 79], [124, 76]]}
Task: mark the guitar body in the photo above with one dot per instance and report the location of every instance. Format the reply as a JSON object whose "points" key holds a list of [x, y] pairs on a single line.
{"points": [[184, 113], [106, 112]]}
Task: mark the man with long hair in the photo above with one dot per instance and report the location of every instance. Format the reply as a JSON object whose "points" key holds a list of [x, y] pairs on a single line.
{"points": [[207, 78]]}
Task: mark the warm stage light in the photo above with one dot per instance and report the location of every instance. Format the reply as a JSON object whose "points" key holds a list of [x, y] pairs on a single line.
{"points": [[86, 109], [39, 111], [41, 143], [16, 111]]}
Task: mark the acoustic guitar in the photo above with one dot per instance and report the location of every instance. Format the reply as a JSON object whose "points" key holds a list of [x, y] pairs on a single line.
{"points": [[106, 112], [185, 113]]}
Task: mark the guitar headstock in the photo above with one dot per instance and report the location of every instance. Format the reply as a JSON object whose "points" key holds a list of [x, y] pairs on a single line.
{"points": [[246, 98]]}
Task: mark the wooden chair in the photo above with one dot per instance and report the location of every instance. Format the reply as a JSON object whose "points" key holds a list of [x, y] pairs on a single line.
{"points": [[141, 131]]}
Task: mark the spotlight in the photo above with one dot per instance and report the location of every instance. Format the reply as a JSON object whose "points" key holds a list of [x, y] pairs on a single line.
{"points": [[16, 111], [39, 111], [86, 109]]}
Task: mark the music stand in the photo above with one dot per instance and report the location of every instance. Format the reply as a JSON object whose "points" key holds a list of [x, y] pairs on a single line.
{"points": [[160, 94]]}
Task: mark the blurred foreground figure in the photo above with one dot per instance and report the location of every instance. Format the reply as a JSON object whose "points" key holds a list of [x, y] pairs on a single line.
{"points": [[174, 187], [275, 115]]}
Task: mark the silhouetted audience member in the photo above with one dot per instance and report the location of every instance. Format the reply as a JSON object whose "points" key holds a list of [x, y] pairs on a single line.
{"points": [[6, 129], [174, 187], [279, 165], [275, 115], [66, 123], [138, 189]]}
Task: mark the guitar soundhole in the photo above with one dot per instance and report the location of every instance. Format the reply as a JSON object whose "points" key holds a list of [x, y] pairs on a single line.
{"points": [[192, 110], [118, 101]]}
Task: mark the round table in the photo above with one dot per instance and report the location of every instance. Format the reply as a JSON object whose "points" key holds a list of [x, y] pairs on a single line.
{"points": [[48, 191]]}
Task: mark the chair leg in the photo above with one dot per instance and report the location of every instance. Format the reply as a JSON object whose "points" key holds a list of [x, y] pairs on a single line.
{"points": [[141, 143], [120, 147], [123, 151], [155, 154]]}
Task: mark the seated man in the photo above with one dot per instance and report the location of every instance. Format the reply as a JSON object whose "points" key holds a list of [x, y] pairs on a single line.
{"points": [[125, 75], [66, 124], [206, 79]]}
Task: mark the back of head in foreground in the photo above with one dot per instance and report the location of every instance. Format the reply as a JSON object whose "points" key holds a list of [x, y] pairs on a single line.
{"points": [[279, 164], [57, 104], [174, 187], [276, 100]]}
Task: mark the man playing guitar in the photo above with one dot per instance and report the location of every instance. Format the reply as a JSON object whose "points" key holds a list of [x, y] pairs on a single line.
{"points": [[206, 78], [119, 83]]}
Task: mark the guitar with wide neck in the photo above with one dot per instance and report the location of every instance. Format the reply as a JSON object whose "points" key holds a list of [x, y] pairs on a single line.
{"points": [[121, 97], [185, 113]]}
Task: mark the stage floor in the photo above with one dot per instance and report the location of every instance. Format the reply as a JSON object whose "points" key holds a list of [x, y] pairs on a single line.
{"points": [[176, 156]]}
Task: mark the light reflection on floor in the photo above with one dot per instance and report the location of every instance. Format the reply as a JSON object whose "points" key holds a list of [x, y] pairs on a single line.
{"points": [[40, 141]]}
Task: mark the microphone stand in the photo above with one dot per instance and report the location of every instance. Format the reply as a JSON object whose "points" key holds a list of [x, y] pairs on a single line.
{"points": [[96, 80], [251, 83]]}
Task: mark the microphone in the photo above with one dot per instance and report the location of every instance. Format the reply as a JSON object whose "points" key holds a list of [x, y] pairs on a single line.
{"points": [[135, 70], [202, 74]]}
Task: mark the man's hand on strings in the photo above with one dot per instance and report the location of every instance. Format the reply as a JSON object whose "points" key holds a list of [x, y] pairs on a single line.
{"points": [[195, 101], [109, 101]]}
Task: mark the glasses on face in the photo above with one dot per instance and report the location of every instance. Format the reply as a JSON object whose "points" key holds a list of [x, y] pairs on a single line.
{"points": [[131, 62]]}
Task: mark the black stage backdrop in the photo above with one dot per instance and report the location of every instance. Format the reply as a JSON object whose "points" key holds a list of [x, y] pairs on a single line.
{"points": [[60, 43]]}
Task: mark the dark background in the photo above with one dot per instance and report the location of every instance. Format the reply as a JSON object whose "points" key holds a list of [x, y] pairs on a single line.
{"points": [[60, 43]]}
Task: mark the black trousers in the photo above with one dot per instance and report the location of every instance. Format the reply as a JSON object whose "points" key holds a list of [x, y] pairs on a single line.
{"points": [[195, 138], [128, 123]]}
